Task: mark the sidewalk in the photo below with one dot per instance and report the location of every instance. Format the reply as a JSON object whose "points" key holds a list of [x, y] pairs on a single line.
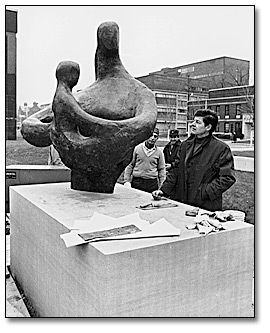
{"points": [[240, 146], [244, 163], [15, 306], [240, 162]]}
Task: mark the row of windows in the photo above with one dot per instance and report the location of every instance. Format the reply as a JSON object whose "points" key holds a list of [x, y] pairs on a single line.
{"points": [[186, 70], [165, 110], [182, 104], [173, 110], [227, 109], [166, 95], [166, 116], [207, 75], [165, 101], [229, 127], [171, 102]]}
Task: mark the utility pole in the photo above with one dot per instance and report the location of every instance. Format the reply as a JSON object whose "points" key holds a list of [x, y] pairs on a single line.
{"points": [[176, 111], [187, 103], [187, 87]]}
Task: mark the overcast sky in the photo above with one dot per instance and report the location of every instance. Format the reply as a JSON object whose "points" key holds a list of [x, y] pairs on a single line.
{"points": [[151, 38]]}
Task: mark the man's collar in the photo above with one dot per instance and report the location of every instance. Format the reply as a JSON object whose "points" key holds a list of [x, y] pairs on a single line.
{"points": [[149, 148]]}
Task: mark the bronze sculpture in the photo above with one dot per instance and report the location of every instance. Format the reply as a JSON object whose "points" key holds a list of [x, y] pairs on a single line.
{"points": [[96, 129]]}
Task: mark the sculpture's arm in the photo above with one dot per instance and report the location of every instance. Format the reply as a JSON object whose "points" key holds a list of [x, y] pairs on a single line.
{"points": [[64, 102], [36, 128]]}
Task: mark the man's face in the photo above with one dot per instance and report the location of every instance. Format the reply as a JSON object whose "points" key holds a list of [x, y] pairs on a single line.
{"points": [[153, 139], [198, 127], [173, 139]]}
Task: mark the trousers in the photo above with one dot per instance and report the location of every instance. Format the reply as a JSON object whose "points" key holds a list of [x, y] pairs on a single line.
{"points": [[147, 185]]}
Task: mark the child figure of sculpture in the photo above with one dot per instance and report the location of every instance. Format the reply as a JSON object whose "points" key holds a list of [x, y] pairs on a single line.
{"points": [[96, 129]]}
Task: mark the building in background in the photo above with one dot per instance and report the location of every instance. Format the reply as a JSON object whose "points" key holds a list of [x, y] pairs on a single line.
{"points": [[215, 73], [35, 108], [179, 91], [172, 95], [234, 107], [26, 111], [10, 73], [22, 114], [178, 88]]}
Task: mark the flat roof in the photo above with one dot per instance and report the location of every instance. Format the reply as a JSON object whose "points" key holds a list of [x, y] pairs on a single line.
{"points": [[234, 87], [197, 62]]}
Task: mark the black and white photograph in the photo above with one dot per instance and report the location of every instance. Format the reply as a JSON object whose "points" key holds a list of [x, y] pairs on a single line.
{"points": [[130, 161]]}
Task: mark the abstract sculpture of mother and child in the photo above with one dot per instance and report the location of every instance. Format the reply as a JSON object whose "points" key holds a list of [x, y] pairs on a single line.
{"points": [[96, 129]]}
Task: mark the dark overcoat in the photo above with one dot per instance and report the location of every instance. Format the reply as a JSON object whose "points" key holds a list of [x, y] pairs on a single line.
{"points": [[171, 156], [202, 177]]}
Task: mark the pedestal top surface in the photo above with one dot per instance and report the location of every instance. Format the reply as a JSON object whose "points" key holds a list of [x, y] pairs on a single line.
{"points": [[66, 205]]}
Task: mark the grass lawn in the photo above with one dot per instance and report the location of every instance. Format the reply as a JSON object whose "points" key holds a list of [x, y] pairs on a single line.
{"points": [[21, 152], [239, 197]]}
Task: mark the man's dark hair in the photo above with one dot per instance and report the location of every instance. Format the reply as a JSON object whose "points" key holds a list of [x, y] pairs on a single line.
{"points": [[209, 117]]}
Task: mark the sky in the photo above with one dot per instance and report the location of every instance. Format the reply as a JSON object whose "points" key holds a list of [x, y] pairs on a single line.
{"points": [[151, 38]]}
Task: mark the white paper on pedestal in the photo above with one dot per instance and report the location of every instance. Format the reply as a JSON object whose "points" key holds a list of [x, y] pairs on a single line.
{"points": [[99, 222]]}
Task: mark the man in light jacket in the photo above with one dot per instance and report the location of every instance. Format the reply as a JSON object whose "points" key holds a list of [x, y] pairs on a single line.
{"points": [[146, 171]]}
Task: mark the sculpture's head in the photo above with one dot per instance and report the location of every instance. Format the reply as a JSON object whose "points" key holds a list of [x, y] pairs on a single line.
{"points": [[108, 35], [68, 72]]}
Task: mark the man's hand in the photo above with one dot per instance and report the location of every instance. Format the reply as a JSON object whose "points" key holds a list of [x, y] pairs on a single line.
{"points": [[157, 194], [168, 166], [127, 184]]}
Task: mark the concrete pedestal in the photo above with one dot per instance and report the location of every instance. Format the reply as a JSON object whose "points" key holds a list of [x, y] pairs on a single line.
{"points": [[186, 276]]}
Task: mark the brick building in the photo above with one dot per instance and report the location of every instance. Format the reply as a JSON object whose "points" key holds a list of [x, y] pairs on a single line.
{"points": [[35, 108], [10, 73], [234, 107], [26, 111], [177, 88], [172, 95], [214, 73]]}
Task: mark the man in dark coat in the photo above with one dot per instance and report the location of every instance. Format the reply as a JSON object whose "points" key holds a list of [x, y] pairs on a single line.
{"points": [[205, 169], [171, 149]]}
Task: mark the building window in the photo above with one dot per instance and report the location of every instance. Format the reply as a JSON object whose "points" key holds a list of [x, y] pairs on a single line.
{"points": [[186, 70], [226, 127], [218, 110], [182, 104], [238, 127], [231, 128], [227, 110], [166, 95], [238, 111], [168, 100]]}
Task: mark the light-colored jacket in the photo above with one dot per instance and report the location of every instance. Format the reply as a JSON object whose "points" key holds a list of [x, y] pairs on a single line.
{"points": [[54, 158], [147, 167]]}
